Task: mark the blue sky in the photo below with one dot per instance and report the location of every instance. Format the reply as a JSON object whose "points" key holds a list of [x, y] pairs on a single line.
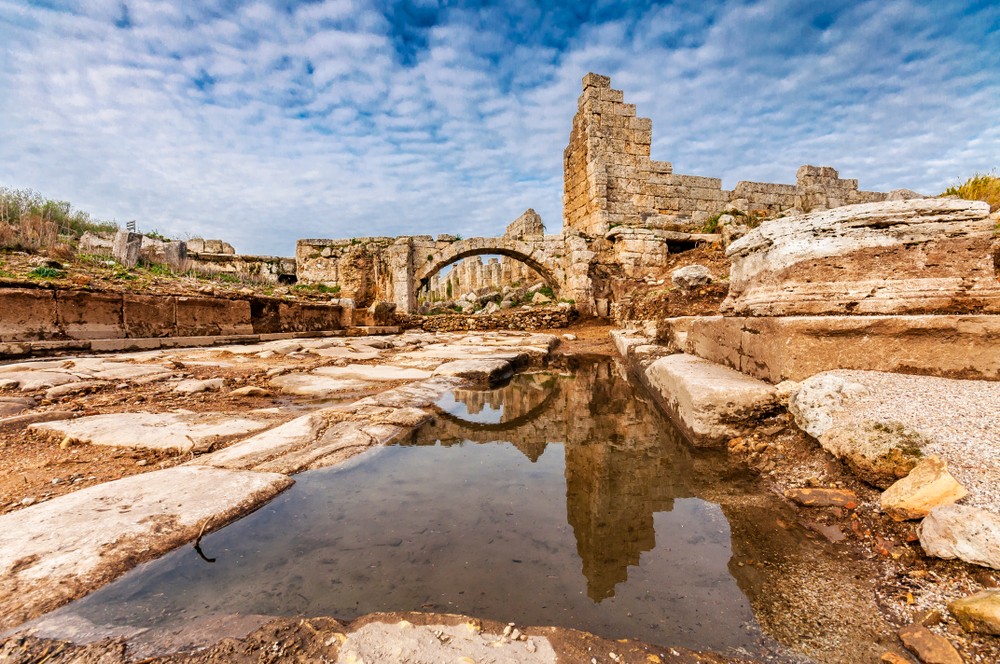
{"points": [[268, 121]]}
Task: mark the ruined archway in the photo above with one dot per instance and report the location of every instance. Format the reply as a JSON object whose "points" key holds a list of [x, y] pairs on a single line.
{"points": [[456, 251]]}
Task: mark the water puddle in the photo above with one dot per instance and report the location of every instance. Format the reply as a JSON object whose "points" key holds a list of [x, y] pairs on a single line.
{"points": [[556, 500]]}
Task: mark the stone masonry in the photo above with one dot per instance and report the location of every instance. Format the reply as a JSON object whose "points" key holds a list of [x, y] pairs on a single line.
{"points": [[623, 213], [610, 179]]}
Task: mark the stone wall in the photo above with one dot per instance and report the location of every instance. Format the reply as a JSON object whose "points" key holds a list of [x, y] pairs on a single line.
{"points": [[533, 319], [610, 179], [41, 314]]}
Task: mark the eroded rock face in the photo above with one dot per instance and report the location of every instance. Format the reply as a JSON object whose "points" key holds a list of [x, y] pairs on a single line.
{"points": [[924, 255], [691, 276]]}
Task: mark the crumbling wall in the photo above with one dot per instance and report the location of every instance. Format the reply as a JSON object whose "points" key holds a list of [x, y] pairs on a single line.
{"points": [[610, 179]]}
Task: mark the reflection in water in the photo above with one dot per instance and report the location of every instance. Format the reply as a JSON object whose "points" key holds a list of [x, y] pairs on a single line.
{"points": [[575, 503]]}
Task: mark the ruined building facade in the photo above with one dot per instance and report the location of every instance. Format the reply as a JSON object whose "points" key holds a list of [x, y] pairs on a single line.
{"points": [[623, 214]]}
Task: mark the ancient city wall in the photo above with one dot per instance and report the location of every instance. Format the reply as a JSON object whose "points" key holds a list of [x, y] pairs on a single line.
{"points": [[610, 179], [42, 314]]}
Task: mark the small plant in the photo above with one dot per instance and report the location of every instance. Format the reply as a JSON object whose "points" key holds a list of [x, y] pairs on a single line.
{"points": [[547, 292], [317, 288], [458, 238], [227, 278], [122, 274], [980, 187], [46, 272], [355, 240], [156, 235]]}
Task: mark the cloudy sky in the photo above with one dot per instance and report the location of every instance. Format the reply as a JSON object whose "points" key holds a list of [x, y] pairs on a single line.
{"points": [[267, 121]]}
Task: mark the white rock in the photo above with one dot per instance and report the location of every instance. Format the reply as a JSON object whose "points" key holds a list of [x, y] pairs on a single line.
{"points": [[691, 277], [194, 386], [967, 533], [818, 399], [713, 402]]}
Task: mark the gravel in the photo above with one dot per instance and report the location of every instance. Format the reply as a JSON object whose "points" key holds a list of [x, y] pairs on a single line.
{"points": [[961, 418]]}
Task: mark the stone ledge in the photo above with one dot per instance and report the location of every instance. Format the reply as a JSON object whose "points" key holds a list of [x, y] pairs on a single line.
{"points": [[796, 347]]}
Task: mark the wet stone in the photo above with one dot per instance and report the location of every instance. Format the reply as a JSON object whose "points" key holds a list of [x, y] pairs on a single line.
{"points": [[819, 497]]}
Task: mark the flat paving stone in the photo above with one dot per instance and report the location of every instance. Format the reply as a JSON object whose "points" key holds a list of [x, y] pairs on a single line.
{"points": [[58, 550], [373, 372], [181, 432], [320, 386]]}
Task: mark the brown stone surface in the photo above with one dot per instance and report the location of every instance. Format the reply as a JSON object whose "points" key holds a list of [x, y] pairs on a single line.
{"points": [[796, 347], [27, 314], [87, 315], [202, 316], [307, 317], [149, 315], [929, 647], [823, 497]]}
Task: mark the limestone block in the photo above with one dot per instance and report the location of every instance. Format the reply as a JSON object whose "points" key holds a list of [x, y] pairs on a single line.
{"points": [[712, 402], [968, 533], [27, 314], [927, 255], [148, 315], [309, 317], [692, 276], [202, 316], [797, 347], [86, 315], [127, 247], [175, 255], [979, 612], [927, 486]]}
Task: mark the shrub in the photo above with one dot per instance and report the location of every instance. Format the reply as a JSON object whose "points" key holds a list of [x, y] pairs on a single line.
{"points": [[45, 272], [980, 187]]}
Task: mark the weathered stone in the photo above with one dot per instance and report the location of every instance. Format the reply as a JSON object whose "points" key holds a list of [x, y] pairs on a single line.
{"points": [[180, 432], [712, 402], [967, 533], [320, 386], [540, 298], [61, 549], [126, 248], [878, 452], [249, 391], [979, 612], [927, 486], [486, 371], [690, 277], [373, 372], [823, 497], [915, 256], [929, 647], [195, 386], [797, 347]]}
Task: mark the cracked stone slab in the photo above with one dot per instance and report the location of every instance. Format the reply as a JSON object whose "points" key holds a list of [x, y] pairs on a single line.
{"points": [[28, 381], [485, 371], [320, 386], [373, 372], [58, 550], [181, 432], [339, 443], [268, 444]]}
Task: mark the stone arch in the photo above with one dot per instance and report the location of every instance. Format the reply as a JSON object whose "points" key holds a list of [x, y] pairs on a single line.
{"points": [[456, 251]]}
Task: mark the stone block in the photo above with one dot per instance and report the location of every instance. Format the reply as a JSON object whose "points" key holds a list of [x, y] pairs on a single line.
{"points": [[309, 317], [897, 257], [87, 315], [202, 316], [796, 347], [967, 533], [710, 401], [28, 314], [149, 315], [927, 486], [127, 247]]}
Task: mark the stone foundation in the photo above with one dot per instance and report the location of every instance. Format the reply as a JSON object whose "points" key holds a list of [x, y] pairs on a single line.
{"points": [[38, 314], [796, 347]]}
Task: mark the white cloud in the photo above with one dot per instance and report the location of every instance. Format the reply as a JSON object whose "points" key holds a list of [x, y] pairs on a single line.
{"points": [[470, 132]]}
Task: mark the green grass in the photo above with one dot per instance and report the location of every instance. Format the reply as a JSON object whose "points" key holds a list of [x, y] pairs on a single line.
{"points": [[316, 288], [980, 187], [547, 292], [46, 272]]}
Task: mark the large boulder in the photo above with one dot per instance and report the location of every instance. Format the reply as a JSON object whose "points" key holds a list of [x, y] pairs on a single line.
{"points": [[924, 255], [880, 452], [967, 533]]}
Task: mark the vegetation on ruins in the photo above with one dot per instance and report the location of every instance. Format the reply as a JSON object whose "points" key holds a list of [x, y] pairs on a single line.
{"points": [[30, 221], [980, 187]]}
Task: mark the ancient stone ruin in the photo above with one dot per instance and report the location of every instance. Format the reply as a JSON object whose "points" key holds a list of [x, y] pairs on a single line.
{"points": [[623, 214]]}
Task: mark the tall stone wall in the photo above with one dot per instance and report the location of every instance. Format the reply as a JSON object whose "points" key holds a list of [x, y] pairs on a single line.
{"points": [[610, 179]]}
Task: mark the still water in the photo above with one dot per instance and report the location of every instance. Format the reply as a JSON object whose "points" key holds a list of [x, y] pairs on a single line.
{"points": [[559, 499]]}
